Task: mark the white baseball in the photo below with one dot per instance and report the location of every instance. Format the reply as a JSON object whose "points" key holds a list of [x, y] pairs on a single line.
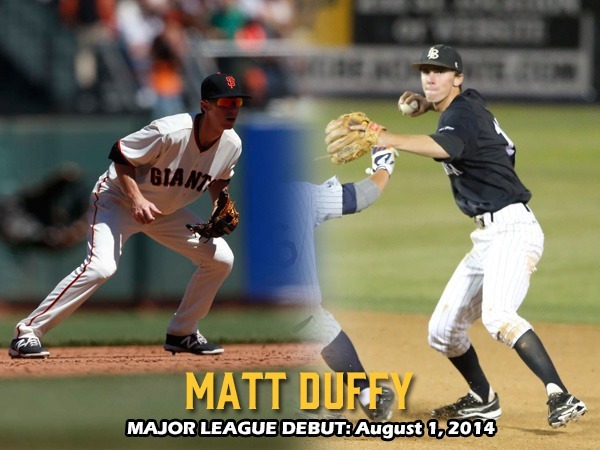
{"points": [[408, 108]]}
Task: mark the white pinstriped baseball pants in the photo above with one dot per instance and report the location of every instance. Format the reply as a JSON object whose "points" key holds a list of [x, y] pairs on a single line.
{"points": [[111, 225], [490, 282], [320, 326]]}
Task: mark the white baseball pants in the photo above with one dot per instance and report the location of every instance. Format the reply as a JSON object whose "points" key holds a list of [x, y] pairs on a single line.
{"points": [[490, 282], [111, 225]]}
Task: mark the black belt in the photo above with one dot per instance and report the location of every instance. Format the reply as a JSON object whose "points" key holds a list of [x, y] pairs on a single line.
{"points": [[480, 220]]}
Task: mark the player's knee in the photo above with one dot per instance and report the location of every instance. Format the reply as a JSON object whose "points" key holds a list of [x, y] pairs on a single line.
{"points": [[438, 343], [449, 349], [436, 338], [102, 271], [448, 343], [223, 261], [494, 319], [319, 327], [433, 342], [506, 328]]}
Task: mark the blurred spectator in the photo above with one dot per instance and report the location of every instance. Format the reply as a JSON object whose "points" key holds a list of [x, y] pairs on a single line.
{"points": [[165, 80], [257, 85], [196, 15], [276, 16], [252, 36], [168, 51], [153, 38], [139, 22], [228, 18], [93, 22]]}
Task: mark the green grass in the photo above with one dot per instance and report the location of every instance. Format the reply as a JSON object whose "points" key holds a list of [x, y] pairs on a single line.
{"points": [[90, 413], [398, 255], [125, 327]]}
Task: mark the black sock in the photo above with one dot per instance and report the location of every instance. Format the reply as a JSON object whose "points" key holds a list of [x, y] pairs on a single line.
{"points": [[340, 355], [468, 366], [531, 350]]}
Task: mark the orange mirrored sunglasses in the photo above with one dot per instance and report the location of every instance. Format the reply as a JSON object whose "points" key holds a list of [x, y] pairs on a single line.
{"points": [[228, 102]]}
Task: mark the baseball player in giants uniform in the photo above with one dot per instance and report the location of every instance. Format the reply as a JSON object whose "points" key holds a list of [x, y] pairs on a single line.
{"points": [[156, 172], [493, 278], [308, 206]]}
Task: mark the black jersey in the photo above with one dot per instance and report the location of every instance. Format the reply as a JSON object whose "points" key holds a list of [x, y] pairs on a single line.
{"points": [[482, 157]]}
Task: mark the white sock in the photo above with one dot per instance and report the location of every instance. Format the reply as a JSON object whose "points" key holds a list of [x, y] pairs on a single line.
{"points": [[552, 388], [491, 396], [365, 397], [477, 397]]}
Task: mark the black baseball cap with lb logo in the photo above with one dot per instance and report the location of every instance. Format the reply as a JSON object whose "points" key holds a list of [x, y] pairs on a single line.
{"points": [[440, 55], [221, 85]]}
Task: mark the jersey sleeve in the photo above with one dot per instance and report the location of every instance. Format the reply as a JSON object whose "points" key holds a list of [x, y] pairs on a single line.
{"points": [[328, 200], [457, 131], [143, 146], [228, 171], [235, 145], [116, 156]]}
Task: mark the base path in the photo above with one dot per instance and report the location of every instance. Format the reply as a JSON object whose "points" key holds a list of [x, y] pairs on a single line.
{"points": [[68, 361]]}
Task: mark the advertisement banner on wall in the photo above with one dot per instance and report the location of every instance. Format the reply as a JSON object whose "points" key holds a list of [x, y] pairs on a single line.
{"points": [[542, 49], [524, 73]]}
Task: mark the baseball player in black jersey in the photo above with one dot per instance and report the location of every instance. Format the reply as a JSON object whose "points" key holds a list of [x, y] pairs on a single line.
{"points": [[493, 278]]}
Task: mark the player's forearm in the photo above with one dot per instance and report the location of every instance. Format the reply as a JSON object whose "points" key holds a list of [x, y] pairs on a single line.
{"points": [[216, 187], [419, 144], [126, 176], [380, 178]]}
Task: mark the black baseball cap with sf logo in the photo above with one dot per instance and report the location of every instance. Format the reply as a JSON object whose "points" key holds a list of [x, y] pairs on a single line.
{"points": [[440, 55], [221, 85]]}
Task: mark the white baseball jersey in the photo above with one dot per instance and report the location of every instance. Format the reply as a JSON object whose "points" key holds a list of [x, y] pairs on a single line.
{"points": [[309, 206], [171, 172]]}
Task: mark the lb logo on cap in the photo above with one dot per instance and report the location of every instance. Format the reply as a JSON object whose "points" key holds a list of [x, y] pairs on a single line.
{"points": [[433, 53], [442, 56]]}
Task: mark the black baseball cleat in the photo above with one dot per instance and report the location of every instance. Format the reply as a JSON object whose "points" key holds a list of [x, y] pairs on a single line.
{"points": [[383, 407], [192, 343], [469, 407], [27, 347], [564, 408]]}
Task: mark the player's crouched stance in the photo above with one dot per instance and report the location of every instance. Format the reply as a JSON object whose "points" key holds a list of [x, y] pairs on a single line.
{"points": [[155, 174]]}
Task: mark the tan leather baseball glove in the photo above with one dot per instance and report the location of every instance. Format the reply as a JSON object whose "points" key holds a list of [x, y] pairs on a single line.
{"points": [[345, 145]]}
